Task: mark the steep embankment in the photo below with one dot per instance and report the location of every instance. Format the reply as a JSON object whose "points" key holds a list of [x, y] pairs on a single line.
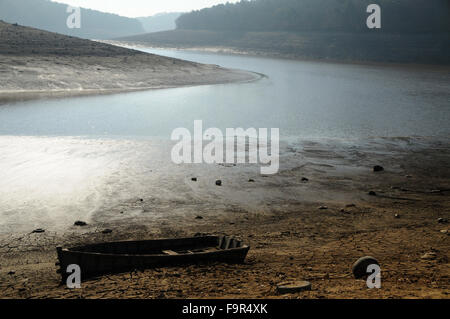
{"points": [[33, 61]]}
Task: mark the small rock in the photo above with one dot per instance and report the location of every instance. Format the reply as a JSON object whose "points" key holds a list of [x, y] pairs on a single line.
{"points": [[38, 231], [304, 179], [141, 200], [442, 221], [372, 193], [350, 205], [80, 223], [378, 168], [219, 182], [12, 272], [199, 217], [194, 179], [293, 287], [359, 268], [429, 256], [408, 176], [444, 231], [251, 180], [122, 212], [107, 231], [323, 207], [397, 216]]}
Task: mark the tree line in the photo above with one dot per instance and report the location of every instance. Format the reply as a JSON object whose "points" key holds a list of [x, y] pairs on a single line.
{"points": [[398, 16]]}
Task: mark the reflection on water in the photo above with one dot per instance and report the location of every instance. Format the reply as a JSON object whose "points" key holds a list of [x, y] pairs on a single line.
{"points": [[49, 178], [307, 99]]}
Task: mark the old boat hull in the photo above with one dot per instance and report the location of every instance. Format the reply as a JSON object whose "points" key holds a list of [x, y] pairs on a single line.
{"points": [[117, 257]]}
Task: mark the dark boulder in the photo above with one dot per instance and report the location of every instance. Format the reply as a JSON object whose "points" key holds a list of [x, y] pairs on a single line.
{"points": [[80, 223], [378, 168]]}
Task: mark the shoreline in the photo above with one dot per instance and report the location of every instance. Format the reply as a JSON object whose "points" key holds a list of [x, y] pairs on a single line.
{"points": [[27, 95], [278, 215], [56, 64], [274, 55]]}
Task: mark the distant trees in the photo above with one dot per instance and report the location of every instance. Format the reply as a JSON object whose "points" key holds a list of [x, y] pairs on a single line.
{"points": [[398, 16], [52, 16]]}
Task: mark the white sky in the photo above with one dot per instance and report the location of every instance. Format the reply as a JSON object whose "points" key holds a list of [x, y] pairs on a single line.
{"points": [[141, 8]]}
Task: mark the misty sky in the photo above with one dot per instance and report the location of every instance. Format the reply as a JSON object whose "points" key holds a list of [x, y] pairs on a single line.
{"points": [[139, 8]]}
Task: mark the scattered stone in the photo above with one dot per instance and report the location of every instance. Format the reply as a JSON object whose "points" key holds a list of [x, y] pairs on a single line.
{"points": [[350, 205], [80, 223], [304, 179], [199, 217], [122, 212], [293, 287], [12, 272], [442, 221], [444, 231], [359, 268], [141, 200], [194, 179], [323, 207], [378, 168], [429, 256], [397, 216], [372, 193], [408, 176], [107, 231], [219, 182], [251, 180], [38, 231]]}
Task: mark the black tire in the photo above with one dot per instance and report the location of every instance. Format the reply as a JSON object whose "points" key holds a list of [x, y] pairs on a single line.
{"points": [[359, 268]]}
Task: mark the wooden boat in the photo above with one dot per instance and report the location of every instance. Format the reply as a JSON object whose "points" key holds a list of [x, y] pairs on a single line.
{"points": [[116, 257]]}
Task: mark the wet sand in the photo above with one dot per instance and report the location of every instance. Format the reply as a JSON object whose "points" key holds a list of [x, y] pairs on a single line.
{"points": [[279, 217]]}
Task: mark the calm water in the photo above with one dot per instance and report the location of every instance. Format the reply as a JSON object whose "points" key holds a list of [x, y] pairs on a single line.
{"points": [[303, 99]]}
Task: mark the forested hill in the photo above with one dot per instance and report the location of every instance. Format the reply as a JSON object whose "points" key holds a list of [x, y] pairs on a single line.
{"points": [[398, 16], [52, 16]]}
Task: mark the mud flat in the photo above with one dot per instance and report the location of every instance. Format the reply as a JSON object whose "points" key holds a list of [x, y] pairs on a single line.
{"points": [[310, 221], [35, 63]]}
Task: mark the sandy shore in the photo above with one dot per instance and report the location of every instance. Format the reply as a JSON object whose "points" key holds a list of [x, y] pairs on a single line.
{"points": [[34, 63], [279, 216]]}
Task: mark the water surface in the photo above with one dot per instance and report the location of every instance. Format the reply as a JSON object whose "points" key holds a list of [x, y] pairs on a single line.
{"points": [[75, 158], [302, 98]]}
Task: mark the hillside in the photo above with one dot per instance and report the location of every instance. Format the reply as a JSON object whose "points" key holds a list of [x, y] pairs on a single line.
{"points": [[348, 16], [160, 22], [52, 16], [37, 61], [413, 31]]}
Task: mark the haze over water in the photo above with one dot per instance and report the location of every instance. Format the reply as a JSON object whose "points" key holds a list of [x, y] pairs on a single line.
{"points": [[302, 98]]}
